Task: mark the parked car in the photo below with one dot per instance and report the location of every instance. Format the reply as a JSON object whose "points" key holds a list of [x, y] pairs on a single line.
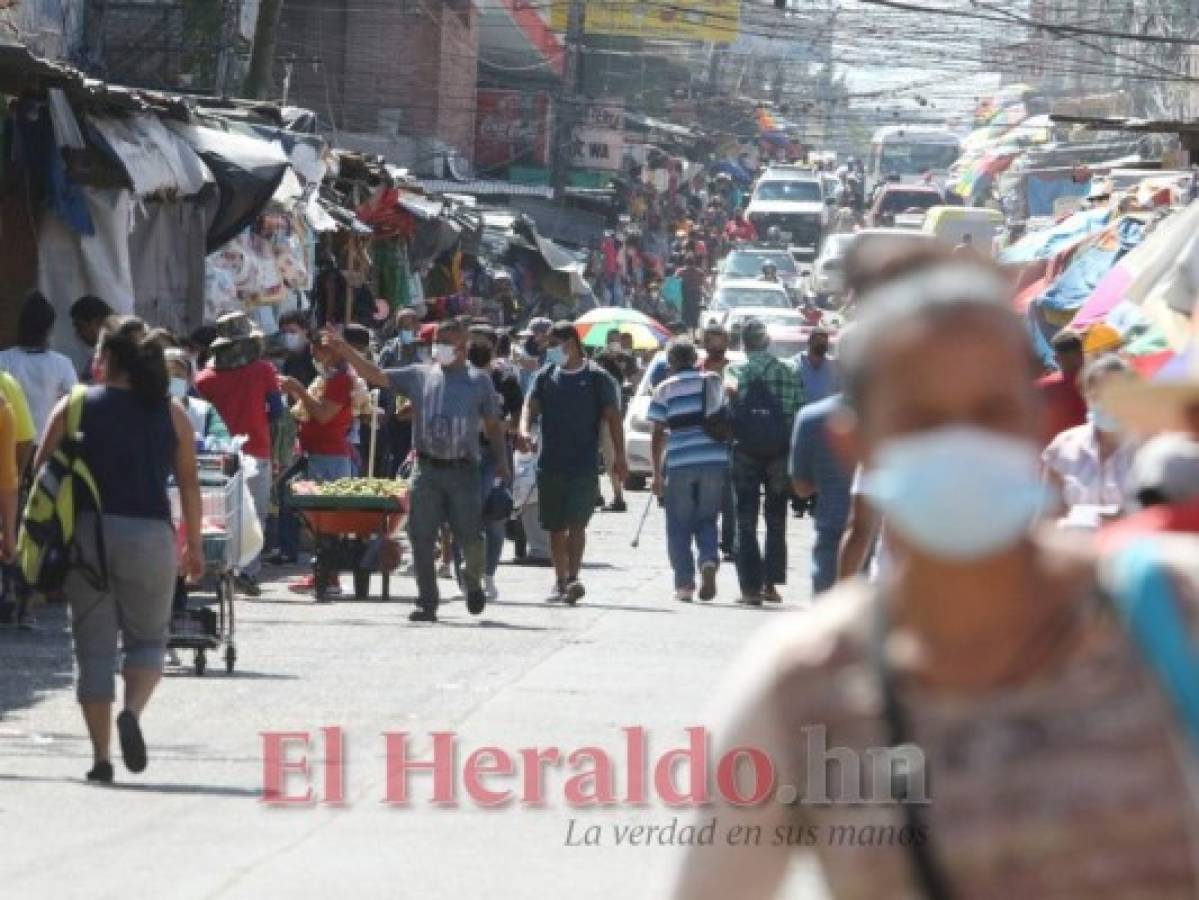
{"points": [[734, 294], [952, 223], [903, 205], [638, 431]]}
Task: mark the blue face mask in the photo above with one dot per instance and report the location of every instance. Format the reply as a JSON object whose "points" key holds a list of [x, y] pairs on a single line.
{"points": [[407, 337], [1103, 420], [555, 356], [959, 493]]}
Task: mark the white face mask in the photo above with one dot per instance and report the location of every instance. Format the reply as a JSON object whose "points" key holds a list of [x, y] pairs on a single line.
{"points": [[445, 354], [178, 387], [294, 341]]}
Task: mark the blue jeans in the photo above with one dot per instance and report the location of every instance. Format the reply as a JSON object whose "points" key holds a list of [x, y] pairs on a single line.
{"points": [[315, 468], [494, 533], [328, 468], [761, 485], [728, 518], [693, 499], [824, 558]]}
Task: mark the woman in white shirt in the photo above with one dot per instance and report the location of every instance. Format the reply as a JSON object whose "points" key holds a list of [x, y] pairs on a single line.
{"points": [[1089, 464], [44, 375]]}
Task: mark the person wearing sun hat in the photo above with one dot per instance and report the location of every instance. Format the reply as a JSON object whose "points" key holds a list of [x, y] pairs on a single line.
{"points": [[244, 388]]}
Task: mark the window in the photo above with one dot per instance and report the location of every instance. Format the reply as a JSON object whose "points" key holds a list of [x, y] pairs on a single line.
{"points": [[791, 191]]}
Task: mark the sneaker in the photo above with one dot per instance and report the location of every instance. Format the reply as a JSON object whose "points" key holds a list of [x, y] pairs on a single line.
{"points": [[772, 595], [101, 772], [476, 601], [617, 506], [490, 591], [574, 592], [246, 584], [748, 599], [302, 585], [707, 588], [684, 594], [445, 571], [557, 594], [423, 614]]}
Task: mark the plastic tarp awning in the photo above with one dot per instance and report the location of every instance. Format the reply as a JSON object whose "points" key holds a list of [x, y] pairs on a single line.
{"points": [[247, 171], [156, 159], [1051, 241]]}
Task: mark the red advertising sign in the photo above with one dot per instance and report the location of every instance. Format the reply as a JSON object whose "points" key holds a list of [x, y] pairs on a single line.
{"points": [[511, 127]]}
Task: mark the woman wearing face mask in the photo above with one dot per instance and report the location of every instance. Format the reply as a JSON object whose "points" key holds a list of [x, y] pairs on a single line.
{"points": [[984, 674], [1089, 465], [206, 421]]}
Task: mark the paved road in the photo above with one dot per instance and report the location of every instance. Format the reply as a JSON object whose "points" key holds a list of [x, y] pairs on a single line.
{"points": [[522, 675]]}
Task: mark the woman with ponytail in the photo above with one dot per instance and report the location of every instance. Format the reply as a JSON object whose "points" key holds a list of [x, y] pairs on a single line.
{"points": [[134, 436]]}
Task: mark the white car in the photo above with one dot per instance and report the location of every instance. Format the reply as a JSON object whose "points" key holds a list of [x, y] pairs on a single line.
{"points": [[793, 202], [745, 263], [737, 294], [789, 330], [638, 430], [828, 272]]}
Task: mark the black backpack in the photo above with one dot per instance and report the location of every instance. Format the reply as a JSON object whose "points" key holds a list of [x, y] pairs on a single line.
{"points": [[760, 428]]}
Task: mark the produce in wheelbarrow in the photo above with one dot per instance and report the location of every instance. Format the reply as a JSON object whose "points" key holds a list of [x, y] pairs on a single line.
{"points": [[352, 487]]}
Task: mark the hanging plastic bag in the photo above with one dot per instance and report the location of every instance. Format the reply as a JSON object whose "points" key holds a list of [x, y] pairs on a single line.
{"points": [[251, 529]]}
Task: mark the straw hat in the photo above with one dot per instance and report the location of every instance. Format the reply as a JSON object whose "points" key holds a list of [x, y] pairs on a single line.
{"points": [[232, 328]]}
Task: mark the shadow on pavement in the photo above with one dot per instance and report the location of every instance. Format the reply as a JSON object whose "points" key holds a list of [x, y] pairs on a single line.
{"points": [[35, 662], [205, 790], [584, 604]]}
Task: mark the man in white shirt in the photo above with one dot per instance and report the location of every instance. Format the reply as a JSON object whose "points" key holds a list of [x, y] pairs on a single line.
{"points": [[44, 375]]}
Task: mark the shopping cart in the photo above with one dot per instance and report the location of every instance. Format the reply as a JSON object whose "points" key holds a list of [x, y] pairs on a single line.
{"points": [[205, 629]]}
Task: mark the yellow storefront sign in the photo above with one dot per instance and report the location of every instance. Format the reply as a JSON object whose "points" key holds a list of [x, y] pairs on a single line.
{"points": [[684, 20]]}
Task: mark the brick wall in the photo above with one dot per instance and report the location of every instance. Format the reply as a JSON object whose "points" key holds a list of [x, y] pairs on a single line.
{"points": [[386, 66]]}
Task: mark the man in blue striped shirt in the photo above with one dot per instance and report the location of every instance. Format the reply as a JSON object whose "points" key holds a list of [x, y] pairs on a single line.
{"points": [[690, 468]]}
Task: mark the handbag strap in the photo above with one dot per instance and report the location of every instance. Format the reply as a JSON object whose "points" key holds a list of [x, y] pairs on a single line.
{"points": [[922, 856], [1145, 597]]}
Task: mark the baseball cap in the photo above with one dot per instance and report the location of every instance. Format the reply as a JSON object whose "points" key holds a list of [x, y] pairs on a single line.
{"points": [[1167, 466]]}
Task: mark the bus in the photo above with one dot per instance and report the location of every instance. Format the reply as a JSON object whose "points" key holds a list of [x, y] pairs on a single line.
{"points": [[912, 152]]}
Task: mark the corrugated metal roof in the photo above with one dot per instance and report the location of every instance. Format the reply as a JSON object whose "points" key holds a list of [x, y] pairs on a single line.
{"points": [[486, 188]]}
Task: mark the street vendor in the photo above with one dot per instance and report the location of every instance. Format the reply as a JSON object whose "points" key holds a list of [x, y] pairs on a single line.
{"points": [[450, 401], [324, 410]]}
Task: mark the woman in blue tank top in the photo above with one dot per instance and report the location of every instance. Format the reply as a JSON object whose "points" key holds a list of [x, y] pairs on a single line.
{"points": [[134, 438]]}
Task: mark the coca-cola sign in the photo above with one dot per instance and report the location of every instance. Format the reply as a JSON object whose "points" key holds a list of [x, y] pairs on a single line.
{"points": [[511, 127]]}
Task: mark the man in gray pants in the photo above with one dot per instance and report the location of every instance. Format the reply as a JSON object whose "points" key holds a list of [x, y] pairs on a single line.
{"points": [[449, 403]]}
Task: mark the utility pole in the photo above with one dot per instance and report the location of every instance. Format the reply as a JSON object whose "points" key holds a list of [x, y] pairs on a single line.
{"points": [[262, 58], [225, 48], [567, 108]]}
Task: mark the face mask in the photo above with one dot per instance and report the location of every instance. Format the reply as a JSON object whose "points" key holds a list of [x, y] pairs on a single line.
{"points": [[444, 354], [407, 337], [555, 356], [960, 493], [479, 356], [614, 347], [1103, 420], [178, 387], [294, 341]]}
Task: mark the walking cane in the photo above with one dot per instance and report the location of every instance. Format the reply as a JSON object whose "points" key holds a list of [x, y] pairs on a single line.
{"points": [[644, 515], [370, 467]]}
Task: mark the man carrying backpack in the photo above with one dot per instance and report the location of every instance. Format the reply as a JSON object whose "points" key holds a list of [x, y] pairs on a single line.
{"points": [[765, 397], [573, 399]]}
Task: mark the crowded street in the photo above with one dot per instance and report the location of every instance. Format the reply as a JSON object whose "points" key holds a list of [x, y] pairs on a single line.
{"points": [[691, 450], [523, 675]]}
